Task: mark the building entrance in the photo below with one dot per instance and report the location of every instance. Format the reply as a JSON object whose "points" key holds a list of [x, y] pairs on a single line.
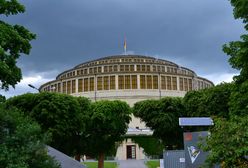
{"points": [[131, 152]]}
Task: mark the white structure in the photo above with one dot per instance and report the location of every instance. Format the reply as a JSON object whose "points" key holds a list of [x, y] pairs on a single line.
{"points": [[129, 78]]}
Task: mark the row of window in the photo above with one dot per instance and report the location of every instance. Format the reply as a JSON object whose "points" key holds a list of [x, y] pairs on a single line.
{"points": [[202, 85], [118, 60], [185, 84], [124, 82], [125, 68]]}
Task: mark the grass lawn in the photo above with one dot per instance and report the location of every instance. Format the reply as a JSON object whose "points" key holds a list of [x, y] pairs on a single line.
{"points": [[152, 163], [106, 164]]}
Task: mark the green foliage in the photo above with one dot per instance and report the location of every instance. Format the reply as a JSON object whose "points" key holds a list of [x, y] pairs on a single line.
{"points": [[151, 145], [228, 142], [2, 99], [194, 104], [240, 10], [22, 144], [162, 117], [76, 125], [238, 51], [108, 122], [14, 40], [11, 7], [239, 100], [64, 116], [213, 101]]}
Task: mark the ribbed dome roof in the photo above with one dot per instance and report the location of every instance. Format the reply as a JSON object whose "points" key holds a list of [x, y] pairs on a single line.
{"points": [[126, 56]]}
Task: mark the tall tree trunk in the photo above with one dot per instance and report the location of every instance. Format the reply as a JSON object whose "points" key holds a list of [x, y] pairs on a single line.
{"points": [[77, 157], [101, 160]]}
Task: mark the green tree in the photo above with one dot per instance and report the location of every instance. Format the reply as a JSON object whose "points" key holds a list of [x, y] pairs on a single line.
{"points": [[228, 143], [22, 143], [14, 40], [240, 10], [64, 116], [194, 103], [107, 124], [228, 140], [151, 145], [2, 99], [239, 100], [79, 138], [213, 101], [162, 117], [238, 51]]}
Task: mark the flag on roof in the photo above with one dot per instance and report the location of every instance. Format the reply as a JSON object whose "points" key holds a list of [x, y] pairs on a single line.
{"points": [[125, 45]]}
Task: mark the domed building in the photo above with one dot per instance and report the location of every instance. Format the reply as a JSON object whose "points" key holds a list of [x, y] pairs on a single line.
{"points": [[129, 78]]}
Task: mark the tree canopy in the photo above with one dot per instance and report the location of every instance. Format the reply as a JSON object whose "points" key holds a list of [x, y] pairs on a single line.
{"points": [[14, 41], [152, 145], [238, 51], [240, 10], [212, 101], [108, 122], [2, 99], [162, 117], [77, 126], [62, 115], [228, 140], [22, 143]]}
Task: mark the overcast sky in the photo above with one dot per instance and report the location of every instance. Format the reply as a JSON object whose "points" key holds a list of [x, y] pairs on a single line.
{"points": [[190, 33]]}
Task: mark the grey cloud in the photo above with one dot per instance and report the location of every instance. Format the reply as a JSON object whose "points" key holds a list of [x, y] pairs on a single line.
{"points": [[71, 32]]}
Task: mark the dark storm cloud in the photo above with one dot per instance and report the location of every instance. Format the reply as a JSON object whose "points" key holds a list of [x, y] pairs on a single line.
{"points": [[191, 33], [69, 32]]}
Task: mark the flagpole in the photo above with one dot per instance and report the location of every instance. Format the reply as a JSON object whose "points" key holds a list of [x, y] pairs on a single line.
{"points": [[125, 46]]}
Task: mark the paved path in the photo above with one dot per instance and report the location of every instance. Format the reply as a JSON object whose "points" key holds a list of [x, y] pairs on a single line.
{"points": [[131, 164]]}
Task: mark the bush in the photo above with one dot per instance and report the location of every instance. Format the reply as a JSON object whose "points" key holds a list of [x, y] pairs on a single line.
{"points": [[22, 144]]}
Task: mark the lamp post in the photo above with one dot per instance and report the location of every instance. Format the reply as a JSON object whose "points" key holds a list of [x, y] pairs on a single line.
{"points": [[33, 87]]}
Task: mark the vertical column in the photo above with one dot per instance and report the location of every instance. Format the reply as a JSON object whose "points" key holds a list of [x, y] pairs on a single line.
{"points": [[95, 87], [178, 83], [138, 81], [195, 84], [76, 85], [116, 82], [159, 84], [65, 87]]}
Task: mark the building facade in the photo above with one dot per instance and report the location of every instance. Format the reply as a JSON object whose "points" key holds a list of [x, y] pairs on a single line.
{"points": [[129, 78]]}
